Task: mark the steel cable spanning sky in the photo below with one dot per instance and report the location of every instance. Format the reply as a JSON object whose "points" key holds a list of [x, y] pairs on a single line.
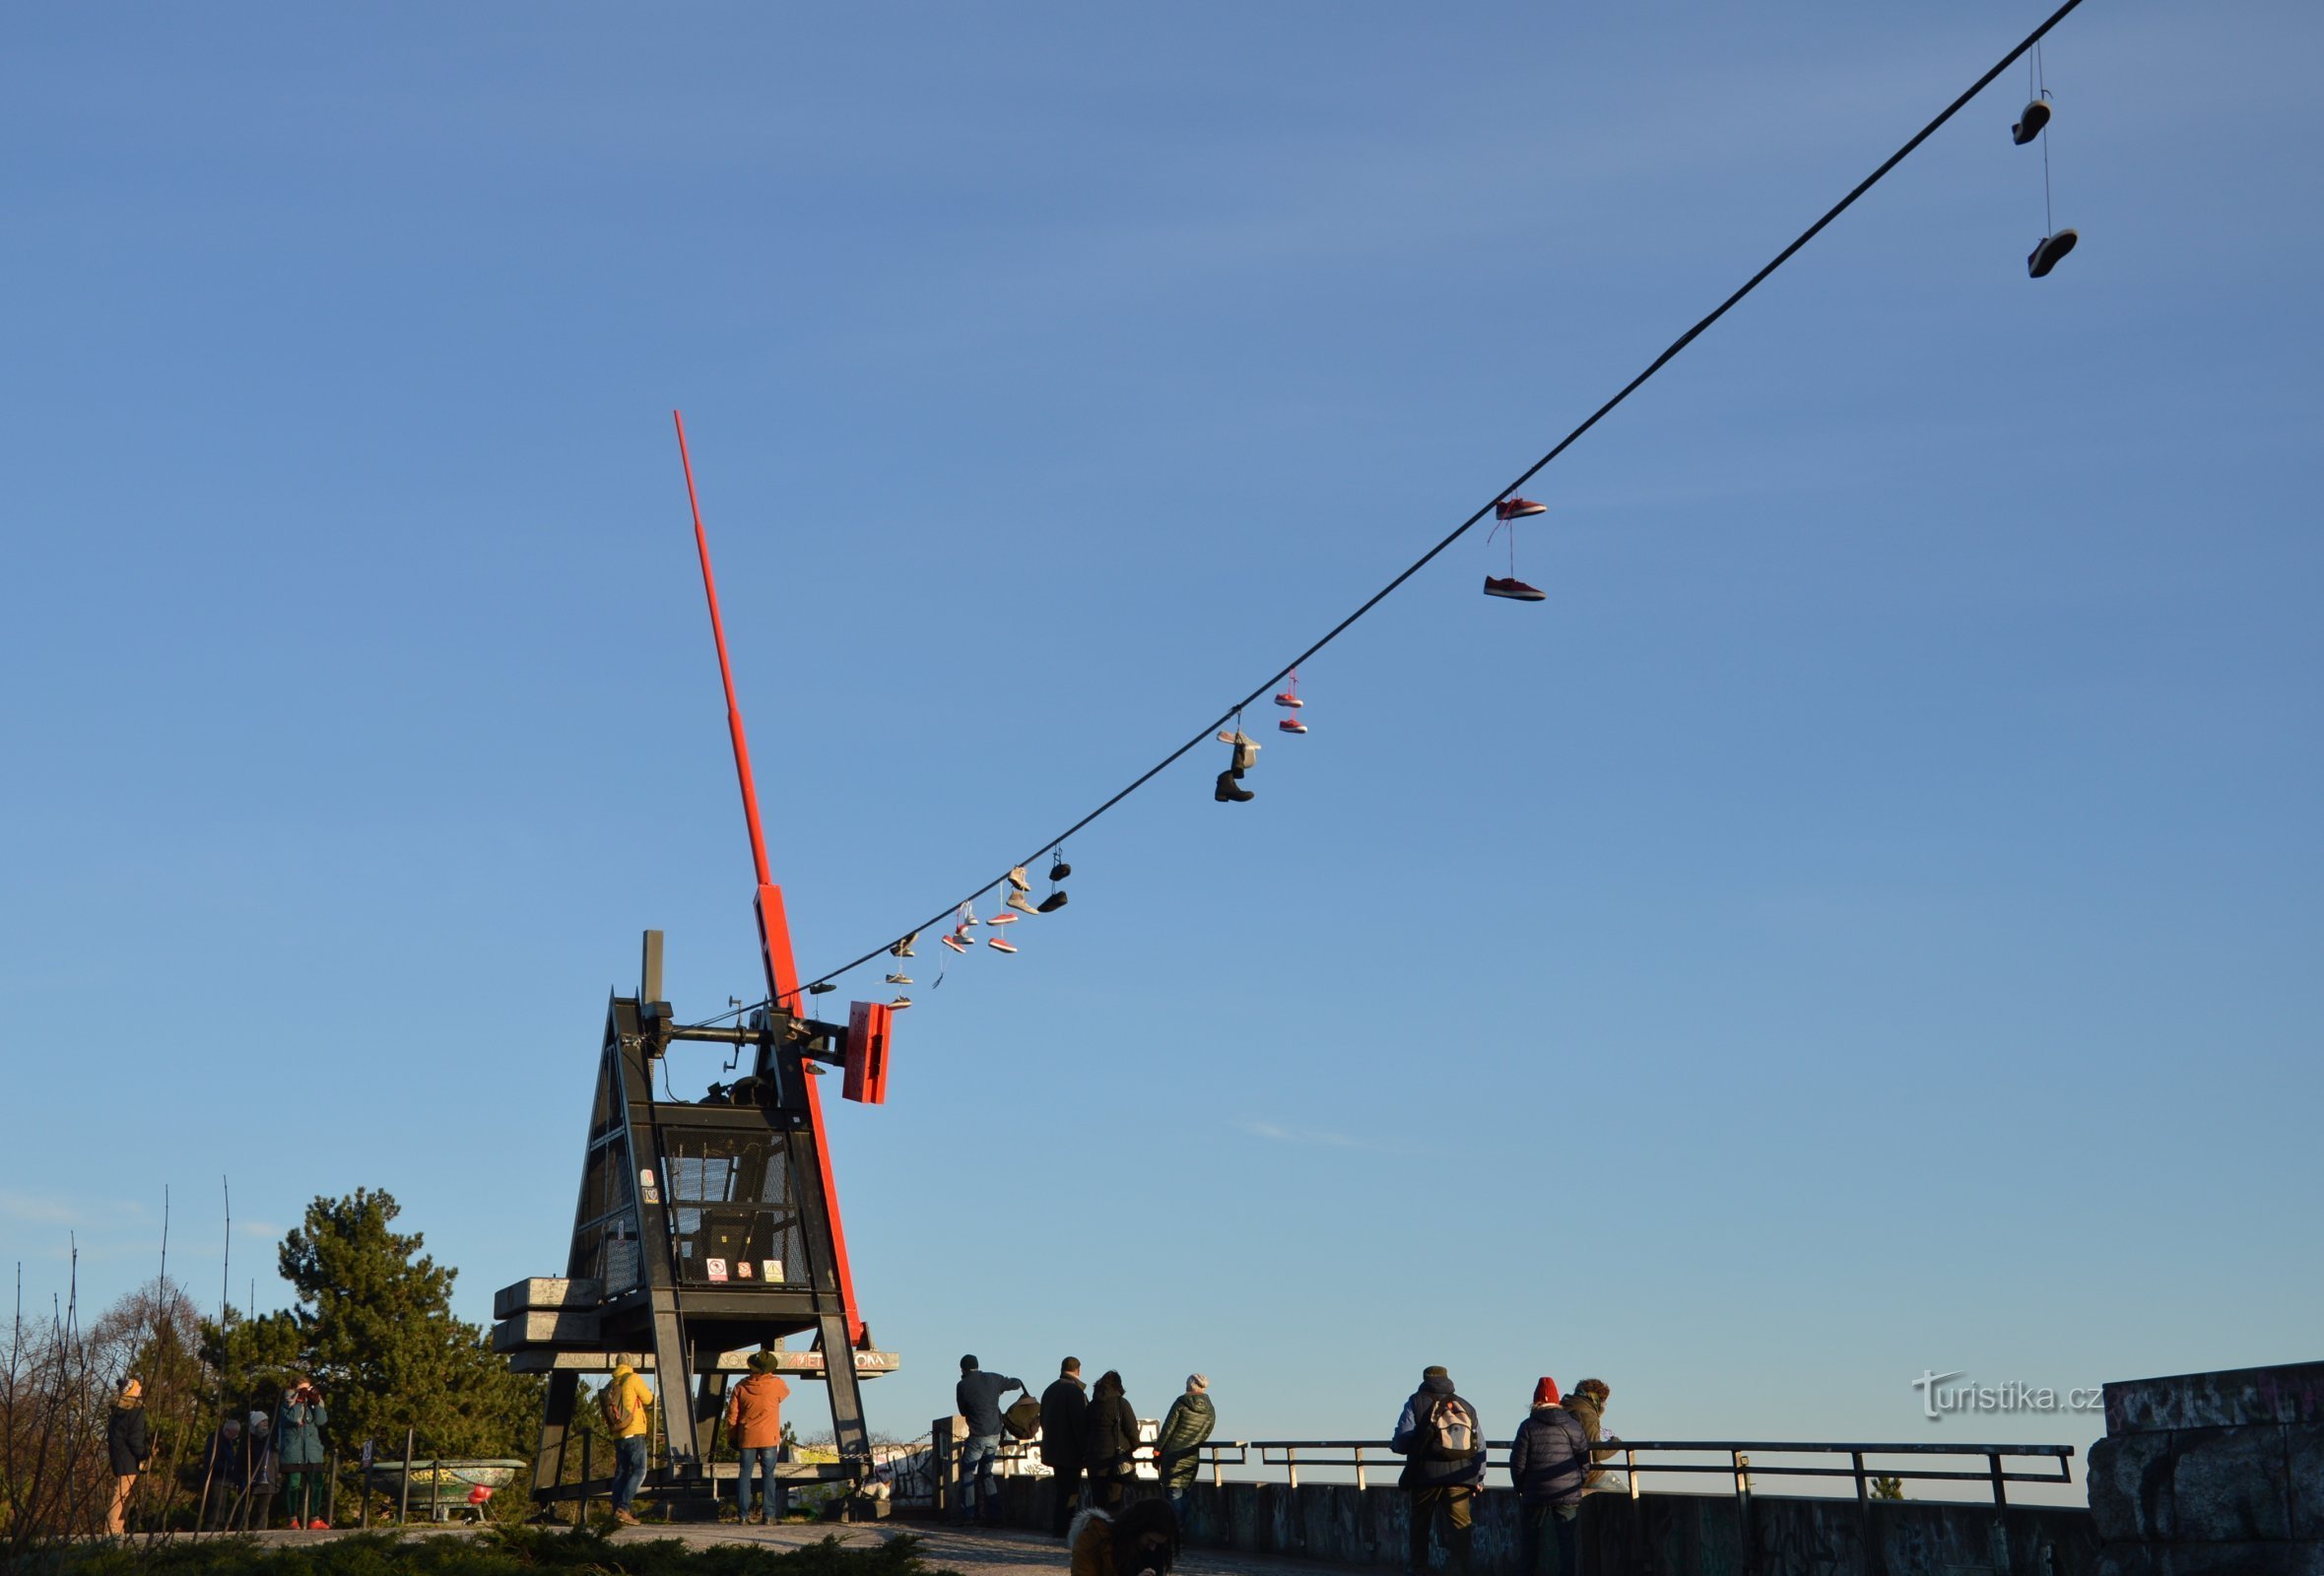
{"points": [[1205, 733]]}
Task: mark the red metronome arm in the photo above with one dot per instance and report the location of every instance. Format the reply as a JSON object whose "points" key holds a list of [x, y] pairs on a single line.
{"points": [[774, 932]]}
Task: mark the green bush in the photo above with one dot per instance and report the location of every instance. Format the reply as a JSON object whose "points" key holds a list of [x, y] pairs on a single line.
{"points": [[497, 1551]]}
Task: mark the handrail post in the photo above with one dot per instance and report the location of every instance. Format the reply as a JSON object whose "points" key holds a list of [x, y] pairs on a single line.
{"points": [[435, 1484], [1360, 1469], [1629, 1466], [403, 1499], [331, 1491], [1291, 1459], [588, 1439], [1748, 1533], [1857, 1460], [2001, 1494]]}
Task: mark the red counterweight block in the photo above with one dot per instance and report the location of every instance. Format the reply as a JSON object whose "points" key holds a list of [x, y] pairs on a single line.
{"points": [[868, 1027]]}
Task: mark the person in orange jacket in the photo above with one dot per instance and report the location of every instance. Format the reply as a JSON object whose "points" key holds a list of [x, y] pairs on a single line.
{"points": [[755, 1421]]}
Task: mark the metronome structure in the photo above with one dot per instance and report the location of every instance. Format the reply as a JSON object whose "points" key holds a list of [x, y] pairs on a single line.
{"points": [[708, 1231]]}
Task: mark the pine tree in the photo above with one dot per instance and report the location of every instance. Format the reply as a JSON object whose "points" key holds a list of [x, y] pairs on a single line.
{"points": [[375, 1329]]}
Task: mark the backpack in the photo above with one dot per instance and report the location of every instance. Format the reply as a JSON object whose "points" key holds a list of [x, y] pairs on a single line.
{"points": [[1023, 1421], [1451, 1429], [609, 1401]]}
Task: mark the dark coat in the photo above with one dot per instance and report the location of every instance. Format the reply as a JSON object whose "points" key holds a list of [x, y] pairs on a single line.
{"points": [[978, 1398], [1550, 1457], [1065, 1410], [1186, 1428], [1423, 1468], [1112, 1435], [128, 1440]]}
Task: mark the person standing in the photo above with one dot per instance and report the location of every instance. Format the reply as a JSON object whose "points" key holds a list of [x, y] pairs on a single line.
{"points": [[628, 1411], [1547, 1463], [299, 1443], [755, 1422], [1185, 1429], [1112, 1442], [129, 1442], [258, 1455], [978, 1398], [1065, 1407], [221, 1474], [1443, 1449], [1588, 1405]]}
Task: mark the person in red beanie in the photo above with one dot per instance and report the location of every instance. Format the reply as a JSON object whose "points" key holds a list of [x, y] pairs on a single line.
{"points": [[1549, 1461]]}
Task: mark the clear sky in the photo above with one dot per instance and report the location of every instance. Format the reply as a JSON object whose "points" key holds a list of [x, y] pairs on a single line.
{"points": [[1865, 921]]}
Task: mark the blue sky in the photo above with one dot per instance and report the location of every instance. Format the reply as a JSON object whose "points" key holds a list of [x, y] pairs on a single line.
{"points": [[1865, 921]]}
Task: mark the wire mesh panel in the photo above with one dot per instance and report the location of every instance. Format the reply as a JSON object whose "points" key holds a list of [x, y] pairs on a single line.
{"points": [[734, 1208]]}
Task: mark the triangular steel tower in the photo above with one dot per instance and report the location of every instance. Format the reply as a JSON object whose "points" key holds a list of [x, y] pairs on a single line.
{"points": [[707, 1228]]}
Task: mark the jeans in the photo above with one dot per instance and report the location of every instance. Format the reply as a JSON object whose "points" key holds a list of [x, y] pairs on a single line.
{"points": [[1533, 1516], [1453, 1501], [980, 1496], [628, 1469], [772, 1492]]}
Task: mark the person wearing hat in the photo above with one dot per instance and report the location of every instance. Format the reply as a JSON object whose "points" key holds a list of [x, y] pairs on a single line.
{"points": [[755, 1422], [979, 1399], [1443, 1449], [129, 1442], [258, 1457], [628, 1411], [1547, 1463], [1186, 1428]]}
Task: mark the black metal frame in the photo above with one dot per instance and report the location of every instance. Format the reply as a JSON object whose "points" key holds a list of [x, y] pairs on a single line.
{"points": [[683, 1321]]}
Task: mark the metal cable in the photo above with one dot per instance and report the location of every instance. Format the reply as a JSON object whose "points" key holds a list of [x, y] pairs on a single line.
{"points": [[2031, 40]]}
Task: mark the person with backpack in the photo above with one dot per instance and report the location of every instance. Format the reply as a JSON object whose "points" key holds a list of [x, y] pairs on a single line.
{"points": [[1549, 1461], [1185, 1429], [755, 1422], [978, 1398], [1112, 1442], [1443, 1449], [1065, 1444], [628, 1408]]}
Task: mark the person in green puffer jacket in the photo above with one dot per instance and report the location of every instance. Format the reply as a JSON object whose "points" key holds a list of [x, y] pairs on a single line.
{"points": [[1184, 1431]]}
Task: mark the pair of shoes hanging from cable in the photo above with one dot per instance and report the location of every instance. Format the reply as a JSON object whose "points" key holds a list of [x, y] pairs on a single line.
{"points": [[1058, 871], [1230, 789], [2032, 122], [1507, 512], [1289, 700]]}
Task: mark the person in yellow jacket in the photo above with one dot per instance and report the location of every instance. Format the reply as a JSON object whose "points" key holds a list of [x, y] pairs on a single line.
{"points": [[628, 1411]]}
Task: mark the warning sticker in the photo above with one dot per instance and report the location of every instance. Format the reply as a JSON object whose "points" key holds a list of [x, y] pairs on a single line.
{"points": [[715, 1269]]}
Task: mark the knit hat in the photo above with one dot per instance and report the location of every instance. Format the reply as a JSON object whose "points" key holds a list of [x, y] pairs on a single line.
{"points": [[1436, 1372], [1545, 1391], [1196, 1381], [967, 1363]]}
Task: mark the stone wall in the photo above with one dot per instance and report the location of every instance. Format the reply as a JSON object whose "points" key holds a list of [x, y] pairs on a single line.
{"points": [[2209, 1474], [1656, 1535]]}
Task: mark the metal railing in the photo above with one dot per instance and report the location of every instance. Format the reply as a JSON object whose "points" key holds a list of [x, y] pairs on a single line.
{"points": [[1864, 1464]]}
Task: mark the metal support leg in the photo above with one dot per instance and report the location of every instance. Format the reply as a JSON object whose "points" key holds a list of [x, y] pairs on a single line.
{"points": [[839, 1371], [671, 1371], [557, 1420]]}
